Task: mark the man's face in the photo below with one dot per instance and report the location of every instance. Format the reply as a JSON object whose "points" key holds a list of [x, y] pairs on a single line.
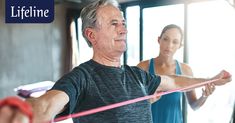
{"points": [[110, 33]]}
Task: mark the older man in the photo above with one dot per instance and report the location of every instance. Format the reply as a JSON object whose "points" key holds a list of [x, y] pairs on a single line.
{"points": [[102, 80]]}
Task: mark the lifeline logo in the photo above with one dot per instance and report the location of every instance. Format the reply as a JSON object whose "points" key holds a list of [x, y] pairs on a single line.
{"points": [[29, 11]]}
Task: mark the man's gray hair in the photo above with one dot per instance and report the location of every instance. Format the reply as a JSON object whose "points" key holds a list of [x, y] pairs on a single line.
{"points": [[89, 15]]}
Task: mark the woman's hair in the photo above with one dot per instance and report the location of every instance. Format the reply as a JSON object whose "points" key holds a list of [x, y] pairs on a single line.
{"points": [[89, 15], [170, 26]]}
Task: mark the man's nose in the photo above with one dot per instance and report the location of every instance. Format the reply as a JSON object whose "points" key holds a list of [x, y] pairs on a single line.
{"points": [[122, 30]]}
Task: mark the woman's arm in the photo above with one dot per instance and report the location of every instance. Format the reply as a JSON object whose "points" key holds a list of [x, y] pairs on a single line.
{"points": [[193, 101]]}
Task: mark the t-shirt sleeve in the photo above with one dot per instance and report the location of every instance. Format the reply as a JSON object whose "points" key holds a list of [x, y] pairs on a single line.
{"points": [[150, 81], [72, 85]]}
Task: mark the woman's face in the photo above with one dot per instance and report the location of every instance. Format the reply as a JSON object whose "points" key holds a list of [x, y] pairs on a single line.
{"points": [[170, 42]]}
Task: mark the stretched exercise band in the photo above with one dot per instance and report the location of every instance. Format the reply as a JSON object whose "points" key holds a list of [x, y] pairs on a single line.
{"points": [[25, 108], [115, 105]]}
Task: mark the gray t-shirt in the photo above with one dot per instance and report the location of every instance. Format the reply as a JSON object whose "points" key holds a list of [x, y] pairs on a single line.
{"points": [[92, 85]]}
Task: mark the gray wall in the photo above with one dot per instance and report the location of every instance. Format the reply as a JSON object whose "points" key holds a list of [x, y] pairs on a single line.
{"points": [[31, 52]]}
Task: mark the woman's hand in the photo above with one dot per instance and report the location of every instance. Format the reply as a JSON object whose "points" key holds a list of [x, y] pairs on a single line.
{"points": [[208, 90]]}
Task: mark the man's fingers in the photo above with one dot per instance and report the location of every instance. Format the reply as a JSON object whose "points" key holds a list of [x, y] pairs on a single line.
{"points": [[19, 117], [10, 114], [224, 77], [15, 110], [226, 74], [6, 114]]}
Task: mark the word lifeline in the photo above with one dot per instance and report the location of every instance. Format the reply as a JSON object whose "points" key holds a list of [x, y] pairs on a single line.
{"points": [[31, 11]]}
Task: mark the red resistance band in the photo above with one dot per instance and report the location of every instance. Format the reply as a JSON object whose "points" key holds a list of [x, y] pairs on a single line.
{"points": [[19, 104]]}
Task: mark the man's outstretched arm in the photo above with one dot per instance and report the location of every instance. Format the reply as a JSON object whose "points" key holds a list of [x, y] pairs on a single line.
{"points": [[171, 82], [44, 108]]}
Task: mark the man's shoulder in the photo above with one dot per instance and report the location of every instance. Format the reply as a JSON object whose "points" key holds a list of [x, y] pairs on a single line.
{"points": [[87, 64], [84, 68], [134, 69]]}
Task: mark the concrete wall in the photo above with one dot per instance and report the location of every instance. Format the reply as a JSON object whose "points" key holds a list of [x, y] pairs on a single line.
{"points": [[31, 52]]}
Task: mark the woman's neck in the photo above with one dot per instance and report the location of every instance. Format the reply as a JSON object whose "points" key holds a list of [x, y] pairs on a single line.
{"points": [[164, 61]]}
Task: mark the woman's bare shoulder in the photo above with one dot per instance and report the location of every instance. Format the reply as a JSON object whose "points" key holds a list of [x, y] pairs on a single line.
{"points": [[186, 69], [143, 64]]}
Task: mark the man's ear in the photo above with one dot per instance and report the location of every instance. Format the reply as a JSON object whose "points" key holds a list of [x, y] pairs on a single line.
{"points": [[90, 34]]}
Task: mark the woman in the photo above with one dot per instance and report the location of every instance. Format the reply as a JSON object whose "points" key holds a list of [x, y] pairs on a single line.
{"points": [[168, 108]]}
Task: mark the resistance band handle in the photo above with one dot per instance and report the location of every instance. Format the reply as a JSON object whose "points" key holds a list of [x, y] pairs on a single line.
{"points": [[19, 104]]}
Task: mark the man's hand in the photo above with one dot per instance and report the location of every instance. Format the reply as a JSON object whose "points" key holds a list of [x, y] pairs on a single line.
{"points": [[14, 110], [223, 78], [12, 115]]}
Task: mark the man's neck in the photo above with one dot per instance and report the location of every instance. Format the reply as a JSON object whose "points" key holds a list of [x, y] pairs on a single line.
{"points": [[107, 61]]}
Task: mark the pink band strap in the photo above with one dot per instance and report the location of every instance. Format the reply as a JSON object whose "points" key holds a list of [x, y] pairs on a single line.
{"points": [[104, 108]]}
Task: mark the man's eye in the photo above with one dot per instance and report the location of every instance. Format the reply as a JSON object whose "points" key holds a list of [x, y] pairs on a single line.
{"points": [[124, 24], [114, 24]]}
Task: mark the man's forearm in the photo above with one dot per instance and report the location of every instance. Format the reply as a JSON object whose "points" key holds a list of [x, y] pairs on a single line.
{"points": [[171, 82], [41, 110], [48, 105]]}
